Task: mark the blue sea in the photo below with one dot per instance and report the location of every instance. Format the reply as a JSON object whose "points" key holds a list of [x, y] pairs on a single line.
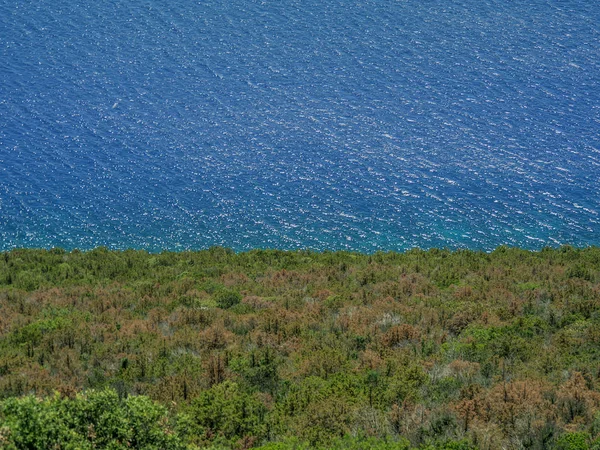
{"points": [[323, 124]]}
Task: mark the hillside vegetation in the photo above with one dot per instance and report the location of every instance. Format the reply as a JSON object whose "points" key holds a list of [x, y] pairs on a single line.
{"points": [[297, 350]]}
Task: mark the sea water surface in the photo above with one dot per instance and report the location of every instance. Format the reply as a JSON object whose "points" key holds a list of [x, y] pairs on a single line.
{"points": [[325, 124]]}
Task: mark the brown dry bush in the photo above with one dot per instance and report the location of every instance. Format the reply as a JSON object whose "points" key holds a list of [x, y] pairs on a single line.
{"points": [[509, 402], [400, 334], [575, 399]]}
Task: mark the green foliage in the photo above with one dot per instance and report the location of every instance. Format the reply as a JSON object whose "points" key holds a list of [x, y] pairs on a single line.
{"points": [[258, 369], [573, 441], [405, 384], [227, 413], [427, 349], [30, 423], [450, 445], [226, 299], [92, 420], [344, 443]]}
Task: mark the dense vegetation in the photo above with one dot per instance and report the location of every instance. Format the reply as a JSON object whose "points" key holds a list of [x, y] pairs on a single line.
{"points": [[282, 350]]}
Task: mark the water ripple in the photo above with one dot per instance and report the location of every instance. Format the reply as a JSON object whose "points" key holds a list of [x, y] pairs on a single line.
{"points": [[347, 125]]}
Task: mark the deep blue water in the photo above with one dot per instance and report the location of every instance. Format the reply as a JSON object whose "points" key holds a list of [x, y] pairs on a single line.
{"points": [[342, 124]]}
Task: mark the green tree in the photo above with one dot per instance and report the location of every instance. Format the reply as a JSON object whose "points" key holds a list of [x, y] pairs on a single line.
{"points": [[226, 412], [226, 299], [573, 441]]}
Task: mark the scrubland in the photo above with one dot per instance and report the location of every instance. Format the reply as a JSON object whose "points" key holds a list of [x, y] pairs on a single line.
{"points": [[292, 350]]}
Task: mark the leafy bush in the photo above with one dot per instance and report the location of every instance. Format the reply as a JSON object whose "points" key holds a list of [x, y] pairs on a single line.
{"points": [[226, 299], [227, 412], [573, 441], [97, 419]]}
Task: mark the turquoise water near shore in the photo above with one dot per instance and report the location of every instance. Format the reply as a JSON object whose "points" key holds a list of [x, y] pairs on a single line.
{"points": [[372, 125]]}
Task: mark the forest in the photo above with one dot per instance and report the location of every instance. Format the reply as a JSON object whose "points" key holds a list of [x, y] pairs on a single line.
{"points": [[281, 350]]}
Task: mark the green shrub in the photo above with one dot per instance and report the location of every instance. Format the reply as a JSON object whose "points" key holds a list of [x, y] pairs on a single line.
{"points": [[225, 411], [97, 419], [573, 441], [227, 299]]}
